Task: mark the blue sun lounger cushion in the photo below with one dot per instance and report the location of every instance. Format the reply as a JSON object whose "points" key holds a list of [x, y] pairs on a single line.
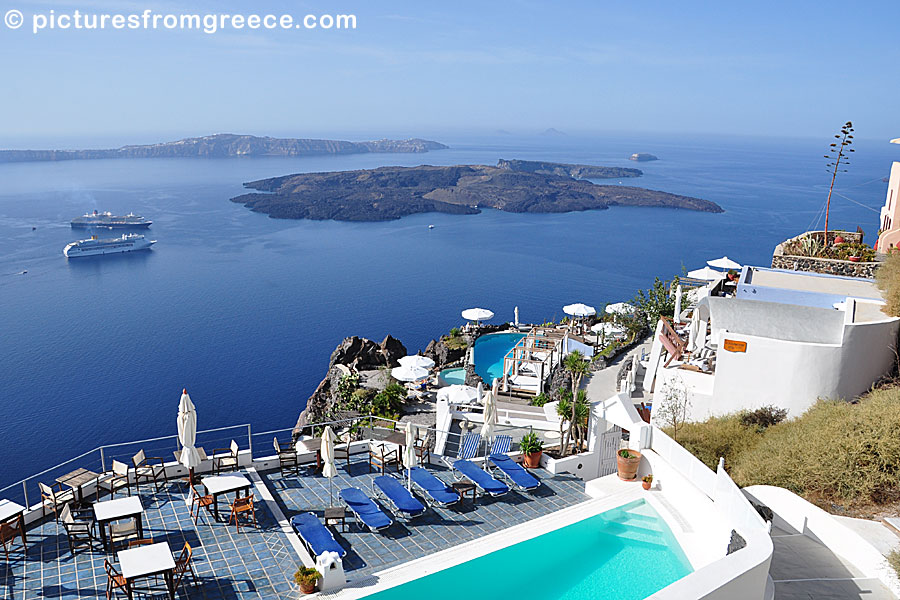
{"points": [[434, 489], [403, 501], [514, 472], [481, 478], [468, 446], [317, 537], [366, 511]]}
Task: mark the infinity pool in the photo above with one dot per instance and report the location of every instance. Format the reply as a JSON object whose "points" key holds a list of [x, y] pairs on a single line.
{"points": [[489, 352], [627, 553], [455, 376]]}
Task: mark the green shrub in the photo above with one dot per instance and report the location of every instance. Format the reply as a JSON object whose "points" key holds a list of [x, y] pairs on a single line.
{"points": [[531, 443], [455, 332], [388, 402], [893, 558], [540, 400], [763, 417]]}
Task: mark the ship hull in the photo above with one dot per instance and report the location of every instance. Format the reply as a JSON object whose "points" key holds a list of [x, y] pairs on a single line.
{"points": [[73, 251], [114, 225]]}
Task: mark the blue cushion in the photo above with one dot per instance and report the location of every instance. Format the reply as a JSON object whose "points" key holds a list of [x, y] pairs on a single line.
{"points": [[364, 509], [399, 495], [519, 476], [479, 477], [316, 535], [439, 491]]}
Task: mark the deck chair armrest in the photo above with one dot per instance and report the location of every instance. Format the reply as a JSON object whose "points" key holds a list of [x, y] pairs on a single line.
{"points": [[217, 453]]}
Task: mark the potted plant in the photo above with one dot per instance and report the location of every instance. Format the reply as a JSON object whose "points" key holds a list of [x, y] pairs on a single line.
{"points": [[306, 578], [532, 447], [627, 462], [647, 481]]}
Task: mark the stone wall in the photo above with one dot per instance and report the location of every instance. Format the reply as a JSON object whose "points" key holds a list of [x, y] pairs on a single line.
{"points": [[828, 266]]}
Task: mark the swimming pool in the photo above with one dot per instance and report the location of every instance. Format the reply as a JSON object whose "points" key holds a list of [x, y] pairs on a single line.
{"points": [[455, 376], [489, 352], [626, 553]]}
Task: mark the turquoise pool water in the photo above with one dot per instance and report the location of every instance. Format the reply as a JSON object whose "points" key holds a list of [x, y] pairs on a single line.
{"points": [[489, 352], [455, 376], [626, 553]]}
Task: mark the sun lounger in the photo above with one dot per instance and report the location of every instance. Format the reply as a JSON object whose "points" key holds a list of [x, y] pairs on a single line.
{"points": [[514, 473], [501, 445], [403, 502], [481, 478], [366, 511], [317, 538], [469, 445], [435, 490]]}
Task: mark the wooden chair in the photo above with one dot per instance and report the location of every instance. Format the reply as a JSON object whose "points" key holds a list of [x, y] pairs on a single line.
{"points": [[114, 480], [55, 496], [381, 457], [671, 341], [199, 501], [226, 458], [288, 461], [183, 565], [240, 506], [342, 450], [8, 534], [122, 531], [150, 469], [80, 532], [115, 582], [423, 448]]}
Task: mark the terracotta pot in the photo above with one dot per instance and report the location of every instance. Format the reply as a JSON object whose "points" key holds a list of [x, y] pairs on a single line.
{"points": [[308, 587], [839, 240], [646, 484], [628, 467], [533, 460], [853, 258]]}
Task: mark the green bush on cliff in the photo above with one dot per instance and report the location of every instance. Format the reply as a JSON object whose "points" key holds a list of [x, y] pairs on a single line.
{"points": [[388, 402]]}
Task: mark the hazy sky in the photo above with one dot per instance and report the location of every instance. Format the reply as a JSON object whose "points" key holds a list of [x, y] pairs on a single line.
{"points": [[423, 68]]}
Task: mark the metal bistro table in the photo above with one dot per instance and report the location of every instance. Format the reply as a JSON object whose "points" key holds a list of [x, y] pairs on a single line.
{"points": [[114, 510], [148, 561], [10, 511], [76, 480], [217, 485]]}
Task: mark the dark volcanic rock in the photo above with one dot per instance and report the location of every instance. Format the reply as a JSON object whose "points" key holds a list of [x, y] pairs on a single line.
{"points": [[567, 170], [394, 192], [392, 350], [438, 351]]}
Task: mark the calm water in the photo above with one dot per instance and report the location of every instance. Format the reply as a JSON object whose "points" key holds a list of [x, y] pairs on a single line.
{"points": [[490, 351], [244, 310]]}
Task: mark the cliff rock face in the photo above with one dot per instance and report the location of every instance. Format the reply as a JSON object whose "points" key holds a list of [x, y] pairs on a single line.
{"points": [[356, 353], [438, 351], [567, 170]]}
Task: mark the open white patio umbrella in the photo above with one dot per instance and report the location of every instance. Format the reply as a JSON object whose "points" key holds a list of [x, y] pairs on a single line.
{"points": [[619, 307], [724, 263], [416, 360], [579, 310], [706, 274], [458, 394], [329, 469], [187, 434], [409, 373], [477, 314], [409, 454]]}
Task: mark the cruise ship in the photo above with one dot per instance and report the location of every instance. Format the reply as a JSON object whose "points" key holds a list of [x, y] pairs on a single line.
{"points": [[127, 243], [107, 219]]}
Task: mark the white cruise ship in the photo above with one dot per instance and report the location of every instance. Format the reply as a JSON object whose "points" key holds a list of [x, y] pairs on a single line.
{"points": [[127, 243]]}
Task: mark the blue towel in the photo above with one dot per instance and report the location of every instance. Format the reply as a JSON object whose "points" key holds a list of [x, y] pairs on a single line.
{"points": [[469, 445], [437, 490], [481, 478], [364, 509], [404, 501], [521, 478], [501, 445], [316, 535]]}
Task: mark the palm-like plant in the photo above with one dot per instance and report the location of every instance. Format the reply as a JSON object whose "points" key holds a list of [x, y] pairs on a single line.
{"points": [[563, 410], [582, 412], [838, 156], [577, 366]]}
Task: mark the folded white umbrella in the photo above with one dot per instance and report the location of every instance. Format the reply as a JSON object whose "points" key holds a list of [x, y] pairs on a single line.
{"points": [[329, 469], [477, 314], [490, 417], [706, 274], [416, 360], [187, 434], [619, 307], [408, 373], [723, 263], [579, 310], [409, 454]]}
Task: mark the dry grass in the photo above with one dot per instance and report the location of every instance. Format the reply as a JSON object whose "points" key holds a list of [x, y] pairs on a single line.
{"points": [[718, 436], [894, 560], [888, 277]]}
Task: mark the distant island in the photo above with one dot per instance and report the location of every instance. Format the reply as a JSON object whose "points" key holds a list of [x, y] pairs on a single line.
{"points": [[226, 145], [390, 193], [642, 157]]}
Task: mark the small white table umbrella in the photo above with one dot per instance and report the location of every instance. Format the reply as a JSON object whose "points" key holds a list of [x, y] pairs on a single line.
{"points": [[477, 314], [187, 434], [329, 469], [724, 263], [579, 310], [408, 373], [620, 307], [416, 360], [705, 274], [409, 454], [458, 394]]}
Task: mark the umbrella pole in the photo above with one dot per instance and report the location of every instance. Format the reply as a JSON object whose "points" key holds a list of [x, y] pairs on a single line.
{"points": [[330, 496]]}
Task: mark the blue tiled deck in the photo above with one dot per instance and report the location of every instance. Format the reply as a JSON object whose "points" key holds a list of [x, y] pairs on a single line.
{"points": [[438, 529], [256, 564]]}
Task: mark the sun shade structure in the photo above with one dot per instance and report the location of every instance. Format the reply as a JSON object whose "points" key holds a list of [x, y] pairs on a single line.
{"points": [[409, 373], [723, 263], [459, 394], [619, 307], [706, 274], [579, 310], [329, 469], [416, 360], [187, 433], [477, 314]]}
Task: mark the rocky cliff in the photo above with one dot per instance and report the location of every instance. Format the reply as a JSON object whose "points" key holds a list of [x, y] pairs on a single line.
{"points": [[568, 170]]}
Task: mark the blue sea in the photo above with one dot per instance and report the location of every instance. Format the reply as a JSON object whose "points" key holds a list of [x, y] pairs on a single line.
{"points": [[244, 310]]}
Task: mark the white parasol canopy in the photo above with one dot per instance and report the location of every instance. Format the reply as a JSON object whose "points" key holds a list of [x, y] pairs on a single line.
{"points": [[409, 454], [706, 273], [416, 360], [579, 310], [723, 263], [187, 432], [458, 394], [620, 307], [329, 469], [409, 373], [477, 314]]}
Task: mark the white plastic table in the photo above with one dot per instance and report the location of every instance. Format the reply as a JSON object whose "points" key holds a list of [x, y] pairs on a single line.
{"points": [[113, 510], [148, 561], [217, 485]]}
